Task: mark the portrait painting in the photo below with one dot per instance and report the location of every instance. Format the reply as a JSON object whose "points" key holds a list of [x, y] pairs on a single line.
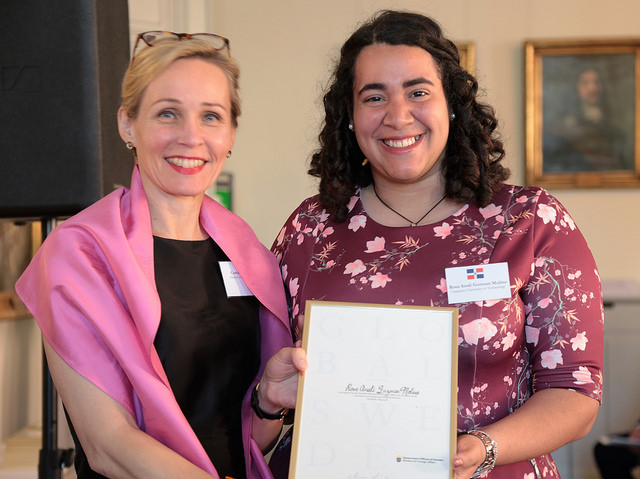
{"points": [[582, 113]]}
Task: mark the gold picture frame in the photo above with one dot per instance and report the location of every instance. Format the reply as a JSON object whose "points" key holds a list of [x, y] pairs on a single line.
{"points": [[359, 392], [467, 52], [582, 124]]}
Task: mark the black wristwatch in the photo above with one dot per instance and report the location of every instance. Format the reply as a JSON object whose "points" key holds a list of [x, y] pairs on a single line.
{"points": [[255, 404]]}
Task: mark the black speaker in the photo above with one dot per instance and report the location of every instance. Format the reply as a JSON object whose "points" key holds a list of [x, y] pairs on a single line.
{"points": [[61, 66]]}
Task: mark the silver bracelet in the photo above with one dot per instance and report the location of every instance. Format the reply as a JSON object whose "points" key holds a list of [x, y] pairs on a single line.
{"points": [[491, 449]]}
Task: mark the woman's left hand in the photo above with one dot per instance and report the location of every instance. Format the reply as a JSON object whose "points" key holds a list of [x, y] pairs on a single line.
{"points": [[470, 454]]}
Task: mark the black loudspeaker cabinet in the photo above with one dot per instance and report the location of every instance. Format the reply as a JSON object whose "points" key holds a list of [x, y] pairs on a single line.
{"points": [[61, 67]]}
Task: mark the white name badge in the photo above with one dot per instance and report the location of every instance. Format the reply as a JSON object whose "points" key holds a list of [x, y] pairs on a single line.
{"points": [[482, 282], [233, 282]]}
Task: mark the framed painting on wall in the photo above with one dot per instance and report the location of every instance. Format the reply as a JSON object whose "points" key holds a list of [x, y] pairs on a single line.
{"points": [[467, 52], [581, 108]]}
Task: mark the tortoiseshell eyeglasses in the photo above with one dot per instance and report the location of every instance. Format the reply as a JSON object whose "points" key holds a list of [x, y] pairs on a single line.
{"points": [[216, 42]]}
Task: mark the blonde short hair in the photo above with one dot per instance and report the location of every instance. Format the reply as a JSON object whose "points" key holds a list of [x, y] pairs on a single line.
{"points": [[154, 60]]}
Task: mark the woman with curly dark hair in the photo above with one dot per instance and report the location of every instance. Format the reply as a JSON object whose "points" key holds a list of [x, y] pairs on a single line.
{"points": [[471, 166], [413, 206]]}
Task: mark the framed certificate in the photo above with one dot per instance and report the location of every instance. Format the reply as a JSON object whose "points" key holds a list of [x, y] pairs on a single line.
{"points": [[379, 397]]}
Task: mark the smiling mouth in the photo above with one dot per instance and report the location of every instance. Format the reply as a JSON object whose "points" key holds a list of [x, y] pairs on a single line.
{"points": [[402, 143], [185, 162]]}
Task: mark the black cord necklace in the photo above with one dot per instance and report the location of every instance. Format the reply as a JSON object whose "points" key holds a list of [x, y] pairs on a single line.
{"points": [[412, 223]]}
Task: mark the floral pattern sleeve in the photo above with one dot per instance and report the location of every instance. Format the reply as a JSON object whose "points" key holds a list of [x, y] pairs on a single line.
{"points": [[563, 305]]}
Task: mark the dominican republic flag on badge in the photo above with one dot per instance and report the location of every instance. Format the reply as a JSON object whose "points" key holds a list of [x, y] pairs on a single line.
{"points": [[475, 273]]}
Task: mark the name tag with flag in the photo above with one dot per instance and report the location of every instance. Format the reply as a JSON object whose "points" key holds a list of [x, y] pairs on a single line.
{"points": [[483, 282]]}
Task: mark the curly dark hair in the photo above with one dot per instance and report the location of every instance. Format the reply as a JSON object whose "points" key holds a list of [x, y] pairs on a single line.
{"points": [[471, 166]]}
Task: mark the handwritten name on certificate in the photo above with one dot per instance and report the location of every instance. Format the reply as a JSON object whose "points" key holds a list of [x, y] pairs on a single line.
{"points": [[378, 400]]}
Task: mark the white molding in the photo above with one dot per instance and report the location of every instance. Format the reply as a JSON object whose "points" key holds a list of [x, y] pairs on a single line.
{"points": [[191, 16]]}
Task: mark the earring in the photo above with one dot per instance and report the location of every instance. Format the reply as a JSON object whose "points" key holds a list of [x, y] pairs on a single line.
{"points": [[365, 161], [229, 154], [351, 126], [453, 116], [130, 146]]}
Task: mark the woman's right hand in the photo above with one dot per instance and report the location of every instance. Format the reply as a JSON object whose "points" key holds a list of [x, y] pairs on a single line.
{"points": [[279, 383]]}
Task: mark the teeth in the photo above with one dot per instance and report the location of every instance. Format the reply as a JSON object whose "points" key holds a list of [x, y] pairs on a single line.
{"points": [[185, 162], [401, 143]]}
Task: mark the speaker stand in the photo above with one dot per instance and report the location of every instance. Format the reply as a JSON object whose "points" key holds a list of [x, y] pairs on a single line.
{"points": [[52, 460]]}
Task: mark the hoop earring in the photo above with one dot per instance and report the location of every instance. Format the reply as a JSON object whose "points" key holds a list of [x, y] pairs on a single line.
{"points": [[130, 146]]}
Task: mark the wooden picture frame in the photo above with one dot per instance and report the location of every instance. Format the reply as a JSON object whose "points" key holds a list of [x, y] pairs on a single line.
{"points": [[467, 52], [582, 121], [19, 240]]}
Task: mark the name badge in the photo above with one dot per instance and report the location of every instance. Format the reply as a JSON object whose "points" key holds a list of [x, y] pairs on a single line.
{"points": [[233, 282], [484, 282]]}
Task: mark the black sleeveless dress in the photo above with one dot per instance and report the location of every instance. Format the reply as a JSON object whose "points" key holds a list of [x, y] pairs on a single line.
{"points": [[209, 346]]}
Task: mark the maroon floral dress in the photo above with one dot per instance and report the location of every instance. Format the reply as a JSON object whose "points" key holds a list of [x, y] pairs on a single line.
{"points": [[548, 334]]}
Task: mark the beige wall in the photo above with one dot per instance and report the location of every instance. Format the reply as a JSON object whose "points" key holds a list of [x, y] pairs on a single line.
{"points": [[285, 48]]}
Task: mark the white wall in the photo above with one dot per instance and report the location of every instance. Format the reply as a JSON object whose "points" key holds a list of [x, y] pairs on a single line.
{"points": [[285, 49], [20, 344]]}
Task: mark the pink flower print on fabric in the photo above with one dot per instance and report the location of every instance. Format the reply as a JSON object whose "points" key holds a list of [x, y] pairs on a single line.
{"points": [[280, 238], [352, 202], [324, 216], [508, 341], [357, 222], [442, 286], [547, 213], [543, 303], [355, 268], [461, 210], [532, 335], [443, 230], [582, 376], [376, 245], [490, 211], [579, 341], [319, 227], [551, 359], [293, 286], [379, 280], [327, 231], [479, 328], [569, 221]]}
